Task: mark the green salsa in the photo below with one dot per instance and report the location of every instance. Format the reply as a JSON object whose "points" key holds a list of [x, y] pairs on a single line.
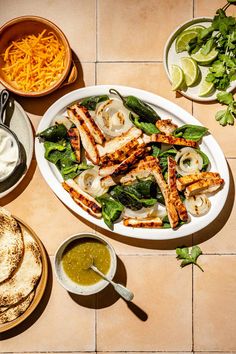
{"points": [[80, 255]]}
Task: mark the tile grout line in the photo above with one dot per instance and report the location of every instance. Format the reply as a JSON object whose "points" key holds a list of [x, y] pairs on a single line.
{"points": [[96, 18], [193, 8]]}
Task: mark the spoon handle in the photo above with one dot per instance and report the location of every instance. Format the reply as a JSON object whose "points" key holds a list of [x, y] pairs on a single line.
{"points": [[121, 289], [3, 101], [124, 292]]}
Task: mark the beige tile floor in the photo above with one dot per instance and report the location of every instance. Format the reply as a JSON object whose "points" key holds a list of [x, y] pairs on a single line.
{"points": [[175, 310]]}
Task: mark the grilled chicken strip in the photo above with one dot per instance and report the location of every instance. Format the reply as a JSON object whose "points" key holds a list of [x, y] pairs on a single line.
{"points": [[166, 126], [185, 181], [87, 139], [148, 223], [106, 171], [142, 170], [174, 195], [121, 154], [168, 139], [170, 208], [82, 198], [203, 186], [74, 137], [118, 142], [131, 160], [91, 124]]}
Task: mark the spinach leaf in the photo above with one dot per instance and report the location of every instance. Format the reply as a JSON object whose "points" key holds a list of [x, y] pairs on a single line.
{"points": [[143, 188], [91, 102], [155, 150], [62, 155], [53, 150], [111, 209], [130, 198], [205, 159], [190, 132], [55, 133], [73, 170], [163, 158], [146, 127]]}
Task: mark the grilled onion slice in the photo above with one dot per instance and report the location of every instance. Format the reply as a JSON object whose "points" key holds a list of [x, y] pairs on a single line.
{"points": [[188, 161], [90, 182], [113, 118], [198, 205]]}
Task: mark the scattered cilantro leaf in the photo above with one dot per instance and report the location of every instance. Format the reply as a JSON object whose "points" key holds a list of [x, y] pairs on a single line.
{"points": [[188, 257]]}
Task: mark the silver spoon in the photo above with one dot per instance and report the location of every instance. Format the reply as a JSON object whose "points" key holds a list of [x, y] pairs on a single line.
{"points": [[4, 96], [120, 289]]}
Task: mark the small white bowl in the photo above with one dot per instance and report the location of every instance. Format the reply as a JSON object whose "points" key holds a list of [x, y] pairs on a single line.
{"points": [[73, 287]]}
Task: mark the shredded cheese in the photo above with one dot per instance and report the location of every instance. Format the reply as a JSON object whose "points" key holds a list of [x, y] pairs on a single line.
{"points": [[34, 63]]}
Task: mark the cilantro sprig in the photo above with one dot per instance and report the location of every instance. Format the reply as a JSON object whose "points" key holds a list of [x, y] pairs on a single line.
{"points": [[226, 116], [188, 257]]}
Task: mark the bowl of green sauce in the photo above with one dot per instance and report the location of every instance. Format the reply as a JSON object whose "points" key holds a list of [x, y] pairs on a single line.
{"points": [[73, 260]]}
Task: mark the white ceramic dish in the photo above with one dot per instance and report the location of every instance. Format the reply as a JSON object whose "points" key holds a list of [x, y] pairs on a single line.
{"points": [[73, 287], [21, 126], [166, 109], [171, 57]]}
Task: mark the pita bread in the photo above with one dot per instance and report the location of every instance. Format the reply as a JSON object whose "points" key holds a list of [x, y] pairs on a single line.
{"points": [[24, 280], [11, 245], [11, 313]]}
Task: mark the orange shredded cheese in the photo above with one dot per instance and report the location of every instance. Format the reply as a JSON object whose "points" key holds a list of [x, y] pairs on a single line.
{"points": [[34, 63]]}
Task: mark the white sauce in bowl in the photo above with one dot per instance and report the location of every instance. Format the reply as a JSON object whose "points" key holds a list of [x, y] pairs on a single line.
{"points": [[9, 154]]}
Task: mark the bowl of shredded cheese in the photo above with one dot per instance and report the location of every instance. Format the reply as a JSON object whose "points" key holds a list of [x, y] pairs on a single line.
{"points": [[35, 56]]}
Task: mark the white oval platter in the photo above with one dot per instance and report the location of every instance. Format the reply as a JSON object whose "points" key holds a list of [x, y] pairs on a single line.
{"points": [[165, 109]]}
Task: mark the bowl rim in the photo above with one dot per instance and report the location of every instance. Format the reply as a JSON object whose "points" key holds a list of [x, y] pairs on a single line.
{"points": [[65, 42], [86, 289]]}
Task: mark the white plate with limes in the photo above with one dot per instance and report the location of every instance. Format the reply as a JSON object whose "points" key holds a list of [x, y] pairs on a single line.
{"points": [[195, 68]]}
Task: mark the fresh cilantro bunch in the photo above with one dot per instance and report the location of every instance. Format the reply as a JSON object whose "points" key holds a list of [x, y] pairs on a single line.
{"points": [[221, 35], [189, 257], [226, 116]]}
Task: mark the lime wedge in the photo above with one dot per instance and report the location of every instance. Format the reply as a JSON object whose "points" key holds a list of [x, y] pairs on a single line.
{"points": [[205, 59], [177, 76], [206, 88], [190, 69], [197, 28], [183, 39]]}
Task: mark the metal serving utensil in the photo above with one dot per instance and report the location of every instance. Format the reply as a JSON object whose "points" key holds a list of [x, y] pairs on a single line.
{"points": [[4, 96]]}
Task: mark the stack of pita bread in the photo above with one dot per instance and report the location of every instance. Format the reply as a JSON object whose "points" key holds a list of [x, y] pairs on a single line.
{"points": [[20, 268]]}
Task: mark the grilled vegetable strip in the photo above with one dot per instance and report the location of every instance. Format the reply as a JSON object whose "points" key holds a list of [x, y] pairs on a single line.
{"points": [[204, 186], [87, 139], [170, 208], [174, 195], [118, 142], [147, 223], [168, 139], [87, 202], [198, 205], [89, 121], [74, 137], [131, 160], [166, 126], [185, 181]]}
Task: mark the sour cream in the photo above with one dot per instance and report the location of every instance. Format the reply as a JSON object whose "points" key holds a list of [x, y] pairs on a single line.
{"points": [[9, 154]]}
